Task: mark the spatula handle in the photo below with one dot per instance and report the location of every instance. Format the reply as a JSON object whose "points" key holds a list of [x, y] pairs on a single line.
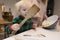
{"points": [[20, 25], [23, 22]]}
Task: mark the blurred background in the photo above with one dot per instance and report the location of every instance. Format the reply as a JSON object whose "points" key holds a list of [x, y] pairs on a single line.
{"points": [[52, 8]]}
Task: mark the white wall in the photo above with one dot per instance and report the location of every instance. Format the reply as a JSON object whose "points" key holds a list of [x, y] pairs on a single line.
{"points": [[57, 7], [9, 4]]}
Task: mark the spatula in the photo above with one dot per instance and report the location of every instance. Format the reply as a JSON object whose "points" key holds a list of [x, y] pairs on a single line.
{"points": [[31, 12]]}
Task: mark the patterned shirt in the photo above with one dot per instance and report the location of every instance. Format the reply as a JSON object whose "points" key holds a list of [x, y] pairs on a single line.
{"points": [[26, 26]]}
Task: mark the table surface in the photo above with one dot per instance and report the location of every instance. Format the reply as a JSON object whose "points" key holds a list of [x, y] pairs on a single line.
{"points": [[38, 34]]}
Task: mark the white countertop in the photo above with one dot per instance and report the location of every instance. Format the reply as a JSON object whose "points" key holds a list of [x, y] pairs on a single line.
{"points": [[38, 34]]}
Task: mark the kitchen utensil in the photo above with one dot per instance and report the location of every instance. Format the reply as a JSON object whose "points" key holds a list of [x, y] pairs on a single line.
{"points": [[31, 12]]}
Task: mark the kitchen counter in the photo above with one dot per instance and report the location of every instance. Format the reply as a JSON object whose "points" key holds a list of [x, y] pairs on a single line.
{"points": [[38, 34]]}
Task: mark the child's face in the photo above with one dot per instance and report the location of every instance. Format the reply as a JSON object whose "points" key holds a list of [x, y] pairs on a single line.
{"points": [[25, 7]]}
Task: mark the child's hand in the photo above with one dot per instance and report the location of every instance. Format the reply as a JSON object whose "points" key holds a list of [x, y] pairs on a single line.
{"points": [[15, 27]]}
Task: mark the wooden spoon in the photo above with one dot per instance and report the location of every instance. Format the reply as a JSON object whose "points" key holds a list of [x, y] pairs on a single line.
{"points": [[31, 12]]}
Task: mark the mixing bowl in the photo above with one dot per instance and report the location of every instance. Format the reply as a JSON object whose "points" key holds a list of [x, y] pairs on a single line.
{"points": [[51, 22]]}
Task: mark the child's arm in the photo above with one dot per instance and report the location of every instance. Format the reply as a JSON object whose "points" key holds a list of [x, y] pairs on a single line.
{"points": [[16, 20]]}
